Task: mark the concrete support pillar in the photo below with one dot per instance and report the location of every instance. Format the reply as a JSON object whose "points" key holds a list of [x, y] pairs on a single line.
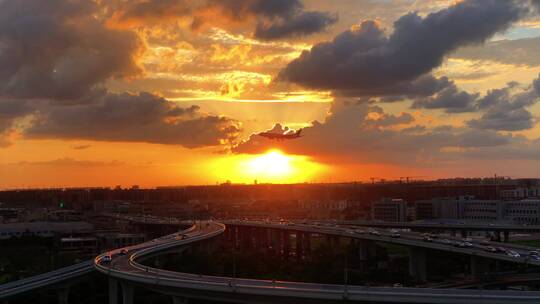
{"points": [[286, 243], [234, 233], [275, 242], [63, 295], [479, 266], [299, 250], [265, 235], [332, 241], [307, 244], [463, 233], [113, 291], [366, 250], [179, 300], [245, 237], [506, 236], [417, 263], [127, 293], [497, 236]]}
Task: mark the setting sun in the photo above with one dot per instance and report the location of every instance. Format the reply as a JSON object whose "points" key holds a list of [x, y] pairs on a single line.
{"points": [[274, 166]]}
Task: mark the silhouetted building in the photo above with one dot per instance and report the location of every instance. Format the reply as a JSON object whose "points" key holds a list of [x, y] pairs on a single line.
{"points": [[389, 210]]}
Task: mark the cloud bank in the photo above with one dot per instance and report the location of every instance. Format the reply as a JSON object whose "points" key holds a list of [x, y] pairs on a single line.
{"points": [[366, 61]]}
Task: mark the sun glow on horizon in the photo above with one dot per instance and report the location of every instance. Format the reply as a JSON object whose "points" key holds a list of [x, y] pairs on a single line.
{"points": [[273, 166]]}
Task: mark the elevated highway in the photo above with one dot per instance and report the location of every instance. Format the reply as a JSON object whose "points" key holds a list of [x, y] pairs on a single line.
{"points": [[126, 270], [461, 227], [57, 277]]}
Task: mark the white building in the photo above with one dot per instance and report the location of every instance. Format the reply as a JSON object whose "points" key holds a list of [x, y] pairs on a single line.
{"points": [[525, 211], [520, 193]]}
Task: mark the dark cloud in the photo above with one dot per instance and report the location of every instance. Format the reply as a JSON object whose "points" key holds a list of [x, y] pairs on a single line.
{"points": [[59, 49], [536, 4], [382, 119], [81, 147], [499, 119], [365, 59], [150, 11], [451, 99], [536, 85], [302, 24], [276, 19], [503, 109], [506, 109], [137, 118], [10, 111]]}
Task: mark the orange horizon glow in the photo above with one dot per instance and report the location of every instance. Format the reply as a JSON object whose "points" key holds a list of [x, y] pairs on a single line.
{"points": [[273, 166]]}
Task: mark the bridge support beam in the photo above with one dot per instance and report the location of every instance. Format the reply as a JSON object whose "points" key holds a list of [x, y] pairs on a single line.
{"points": [[63, 295], [417, 263], [479, 266], [127, 293], [506, 236], [113, 291]]}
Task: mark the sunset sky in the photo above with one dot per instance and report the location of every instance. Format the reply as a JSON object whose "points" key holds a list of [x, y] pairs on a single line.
{"points": [[174, 92]]}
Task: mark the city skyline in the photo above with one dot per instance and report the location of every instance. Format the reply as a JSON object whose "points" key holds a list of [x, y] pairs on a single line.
{"points": [[157, 93]]}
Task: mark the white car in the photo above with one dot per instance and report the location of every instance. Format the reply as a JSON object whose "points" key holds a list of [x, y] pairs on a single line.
{"points": [[513, 254], [106, 259]]}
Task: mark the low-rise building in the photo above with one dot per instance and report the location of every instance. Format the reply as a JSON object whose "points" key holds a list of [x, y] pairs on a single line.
{"points": [[525, 211], [389, 210]]}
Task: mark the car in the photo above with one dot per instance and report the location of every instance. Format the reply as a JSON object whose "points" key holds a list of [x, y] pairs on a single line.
{"points": [[501, 249], [360, 231], [535, 257], [468, 244], [484, 243], [513, 254], [490, 249], [124, 252], [460, 245], [106, 259], [466, 240], [427, 239], [397, 285], [446, 242], [374, 232], [534, 253], [395, 235]]}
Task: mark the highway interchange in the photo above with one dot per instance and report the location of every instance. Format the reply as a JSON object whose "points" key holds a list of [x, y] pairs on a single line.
{"points": [[124, 268]]}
